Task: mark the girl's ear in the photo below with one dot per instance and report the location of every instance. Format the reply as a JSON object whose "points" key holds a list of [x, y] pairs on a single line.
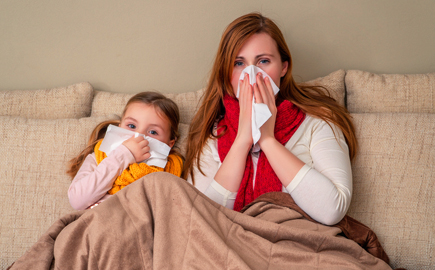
{"points": [[171, 143], [284, 68]]}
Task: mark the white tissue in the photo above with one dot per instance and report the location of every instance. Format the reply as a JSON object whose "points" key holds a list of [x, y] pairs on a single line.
{"points": [[260, 111], [115, 136]]}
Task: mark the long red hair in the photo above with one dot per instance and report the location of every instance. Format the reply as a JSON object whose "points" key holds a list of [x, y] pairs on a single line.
{"points": [[313, 100]]}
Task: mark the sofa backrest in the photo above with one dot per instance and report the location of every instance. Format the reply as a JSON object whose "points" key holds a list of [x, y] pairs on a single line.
{"points": [[394, 170]]}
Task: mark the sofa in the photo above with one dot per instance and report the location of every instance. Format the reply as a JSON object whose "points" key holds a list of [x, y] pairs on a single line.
{"points": [[393, 172]]}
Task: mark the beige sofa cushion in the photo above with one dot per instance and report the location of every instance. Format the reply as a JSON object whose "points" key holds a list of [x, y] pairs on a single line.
{"points": [[334, 82], [368, 92], [72, 101], [394, 184], [113, 103], [33, 194]]}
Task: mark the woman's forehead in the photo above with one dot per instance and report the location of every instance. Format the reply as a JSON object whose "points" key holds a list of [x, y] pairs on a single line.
{"points": [[258, 44]]}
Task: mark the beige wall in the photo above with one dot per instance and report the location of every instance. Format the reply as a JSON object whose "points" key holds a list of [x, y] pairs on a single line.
{"points": [[136, 45]]}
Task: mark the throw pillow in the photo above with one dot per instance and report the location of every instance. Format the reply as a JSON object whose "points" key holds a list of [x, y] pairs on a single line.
{"points": [[370, 93], [72, 101]]}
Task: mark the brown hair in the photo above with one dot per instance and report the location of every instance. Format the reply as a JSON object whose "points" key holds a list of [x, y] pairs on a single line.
{"points": [[313, 100], [164, 106]]}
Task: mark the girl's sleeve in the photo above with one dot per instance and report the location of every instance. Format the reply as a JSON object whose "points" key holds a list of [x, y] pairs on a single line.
{"points": [[93, 180], [210, 164], [324, 190]]}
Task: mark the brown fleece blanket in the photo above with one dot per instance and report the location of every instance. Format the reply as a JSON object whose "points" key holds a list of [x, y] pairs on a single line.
{"points": [[162, 222]]}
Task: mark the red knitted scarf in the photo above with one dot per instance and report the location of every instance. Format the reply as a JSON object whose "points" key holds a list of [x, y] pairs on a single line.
{"points": [[288, 119]]}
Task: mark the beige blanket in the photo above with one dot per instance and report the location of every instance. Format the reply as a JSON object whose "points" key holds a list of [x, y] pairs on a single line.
{"points": [[162, 222]]}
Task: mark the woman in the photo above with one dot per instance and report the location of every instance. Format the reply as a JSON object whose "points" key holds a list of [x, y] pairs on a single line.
{"points": [[305, 146]]}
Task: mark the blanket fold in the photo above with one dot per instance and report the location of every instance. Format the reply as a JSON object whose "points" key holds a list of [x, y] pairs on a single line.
{"points": [[351, 228], [162, 222]]}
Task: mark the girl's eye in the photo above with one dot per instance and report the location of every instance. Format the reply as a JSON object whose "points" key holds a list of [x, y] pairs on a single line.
{"points": [[153, 132], [131, 126], [238, 64]]}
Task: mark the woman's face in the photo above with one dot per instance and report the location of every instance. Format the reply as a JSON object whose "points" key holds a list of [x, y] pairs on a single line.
{"points": [[259, 50]]}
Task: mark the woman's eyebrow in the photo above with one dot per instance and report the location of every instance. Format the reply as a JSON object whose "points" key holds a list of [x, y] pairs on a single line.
{"points": [[263, 55], [256, 57]]}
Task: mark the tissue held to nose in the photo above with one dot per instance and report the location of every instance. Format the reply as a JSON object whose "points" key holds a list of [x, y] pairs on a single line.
{"points": [[260, 111], [252, 71], [115, 136]]}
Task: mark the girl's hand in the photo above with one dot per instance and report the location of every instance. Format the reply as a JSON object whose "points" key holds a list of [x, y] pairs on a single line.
{"points": [[244, 133], [138, 147], [263, 93]]}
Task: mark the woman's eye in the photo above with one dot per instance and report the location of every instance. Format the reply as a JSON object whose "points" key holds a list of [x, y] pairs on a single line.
{"points": [[131, 126], [153, 132], [264, 61]]}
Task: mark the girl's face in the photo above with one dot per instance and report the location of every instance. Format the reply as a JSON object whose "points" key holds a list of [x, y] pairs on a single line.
{"points": [[143, 118], [259, 50]]}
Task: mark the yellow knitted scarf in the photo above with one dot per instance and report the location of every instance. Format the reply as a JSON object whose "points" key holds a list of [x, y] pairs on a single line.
{"points": [[137, 170]]}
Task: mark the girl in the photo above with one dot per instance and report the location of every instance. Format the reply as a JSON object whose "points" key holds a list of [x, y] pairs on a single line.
{"points": [[97, 176], [305, 146]]}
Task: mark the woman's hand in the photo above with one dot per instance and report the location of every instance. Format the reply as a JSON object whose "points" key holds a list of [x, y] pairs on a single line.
{"points": [[230, 173], [263, 93], [138, 147], [244, 133]]}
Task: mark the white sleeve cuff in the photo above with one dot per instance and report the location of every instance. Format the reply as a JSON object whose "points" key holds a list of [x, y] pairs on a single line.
{"points": [[298, 178], [220, 195]]}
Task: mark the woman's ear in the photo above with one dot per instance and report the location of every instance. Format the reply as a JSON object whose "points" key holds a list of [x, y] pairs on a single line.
{"points": [[284, 68], [171, 143]]}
